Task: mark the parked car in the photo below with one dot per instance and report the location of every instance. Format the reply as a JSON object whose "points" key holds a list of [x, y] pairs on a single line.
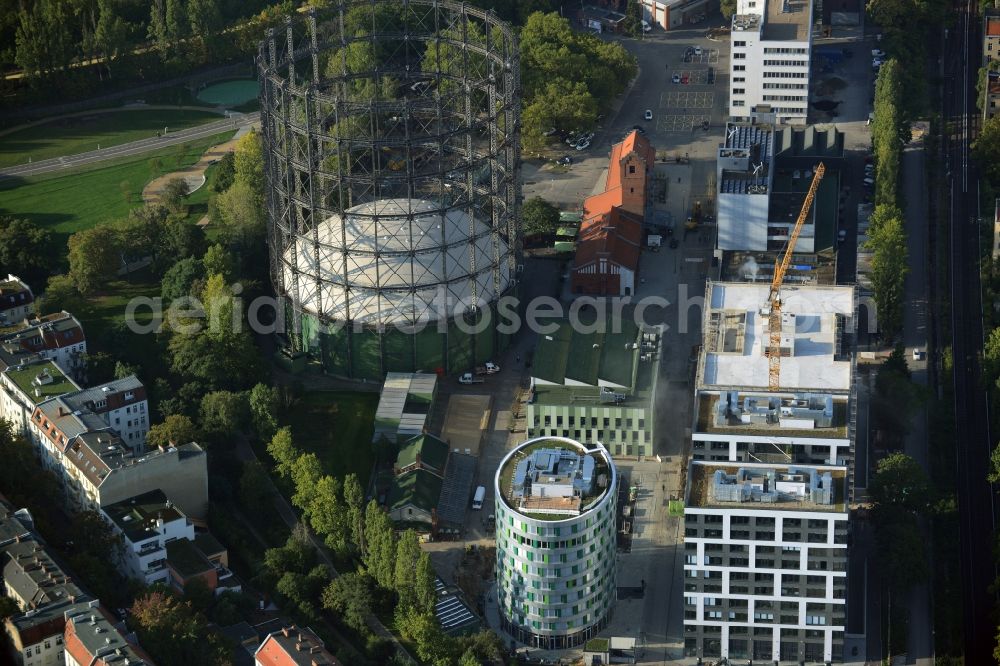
{"points": [[711, 75], [648, 115], [917, 354], [588, 136], [565, 159], [673, 243], [583, 145], [551, 132], [841, 236], [697, 50], [685, 79], [878, 53], [676, 78], [705, 125]]}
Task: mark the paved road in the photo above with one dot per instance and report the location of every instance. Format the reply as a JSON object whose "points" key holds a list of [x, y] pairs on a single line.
{"points": [[920, 643], [972, 439], [132, 148]]}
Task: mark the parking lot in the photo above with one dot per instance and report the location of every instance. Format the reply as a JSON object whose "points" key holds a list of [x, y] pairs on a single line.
{"points": [[681, 122], [707, 56], [687, 99]]}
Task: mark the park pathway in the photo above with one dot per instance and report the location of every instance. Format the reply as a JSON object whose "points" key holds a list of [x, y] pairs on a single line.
{"points": [[193, 175]]}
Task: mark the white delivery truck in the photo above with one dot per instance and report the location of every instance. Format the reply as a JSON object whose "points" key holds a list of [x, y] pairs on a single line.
{"points": [[477, 499]]}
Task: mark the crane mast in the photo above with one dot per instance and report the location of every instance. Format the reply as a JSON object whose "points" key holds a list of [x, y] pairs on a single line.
{"points": [[774, 296]]}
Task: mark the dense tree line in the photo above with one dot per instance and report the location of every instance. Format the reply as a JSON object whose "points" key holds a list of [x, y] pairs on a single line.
{"points": [[568, 77], [81, 48], [886, 232]]}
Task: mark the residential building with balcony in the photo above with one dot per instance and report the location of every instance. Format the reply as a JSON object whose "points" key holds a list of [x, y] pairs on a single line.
{"points": [[147, 523], [26, 383], [121, 404], [17, 301], [771, 53], [771, 476], [556, 517], [97, 468], [595, 385], [765, 569], [57, 337], [43, 593]]}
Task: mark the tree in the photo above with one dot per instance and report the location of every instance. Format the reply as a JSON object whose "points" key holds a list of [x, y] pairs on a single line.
{"points": [[901, 482], [25, 250], [297, 555], [350, 596], [157, 30], [562, 103], [986, 148], [225, 171], [306, 473], [176, 20], [94, 258], [248, 164], [173, 195], [223, 413], [173, 632], [354, 503], [112, 34], [8, 607], [264, 410], [175, 430], [422, 628], [217, 299], [60, 294], [407, 557], [283, 451], [381, 543], [218, 261], [728, 8], [887, 240], [424, 586], [240, 214], [124, 369], [327, 515], [179, 239], [993, 476], [180, 277], [206, 23], [539, 217]]}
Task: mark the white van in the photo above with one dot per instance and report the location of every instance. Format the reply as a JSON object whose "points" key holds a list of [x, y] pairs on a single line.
{"points": [[477, 500]]}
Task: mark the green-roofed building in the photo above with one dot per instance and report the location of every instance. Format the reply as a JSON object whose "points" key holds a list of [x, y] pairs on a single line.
{"points": [[25, 385], [596, 386], [413, 499], [422, 452]]}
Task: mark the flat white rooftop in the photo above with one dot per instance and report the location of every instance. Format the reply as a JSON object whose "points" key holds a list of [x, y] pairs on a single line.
{"points": [[733, 353]]}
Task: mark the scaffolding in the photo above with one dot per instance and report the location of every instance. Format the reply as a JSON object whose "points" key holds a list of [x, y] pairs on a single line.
{"points": [[391, 161]]}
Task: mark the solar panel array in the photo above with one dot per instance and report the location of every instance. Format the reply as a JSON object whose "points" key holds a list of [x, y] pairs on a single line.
{"points": [[451, 612]]}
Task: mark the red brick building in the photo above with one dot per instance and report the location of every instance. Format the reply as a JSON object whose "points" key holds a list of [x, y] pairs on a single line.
{"points": [[607, 254]]}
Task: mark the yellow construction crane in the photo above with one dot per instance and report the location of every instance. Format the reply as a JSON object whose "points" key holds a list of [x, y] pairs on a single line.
{"points": [[774, 297]]}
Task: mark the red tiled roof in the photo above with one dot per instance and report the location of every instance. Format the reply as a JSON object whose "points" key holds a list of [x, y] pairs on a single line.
{"points": [[293, 647], [616, 236], [993, 26]]}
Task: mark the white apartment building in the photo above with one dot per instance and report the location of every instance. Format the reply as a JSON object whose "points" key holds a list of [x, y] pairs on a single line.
{"points": [[121, 404], [765, 572], [770, 58], [771, 477], [28, 383], [17, 301], [556, 573], [97, 468], [147, 523], [57, 337]]}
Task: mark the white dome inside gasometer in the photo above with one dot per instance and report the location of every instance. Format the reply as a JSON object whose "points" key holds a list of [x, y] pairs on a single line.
{"points": [[392, 261]]}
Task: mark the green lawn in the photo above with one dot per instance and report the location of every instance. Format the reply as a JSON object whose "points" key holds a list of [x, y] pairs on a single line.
{"points": [[68, 202], [80, 134], [337, 426]]}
